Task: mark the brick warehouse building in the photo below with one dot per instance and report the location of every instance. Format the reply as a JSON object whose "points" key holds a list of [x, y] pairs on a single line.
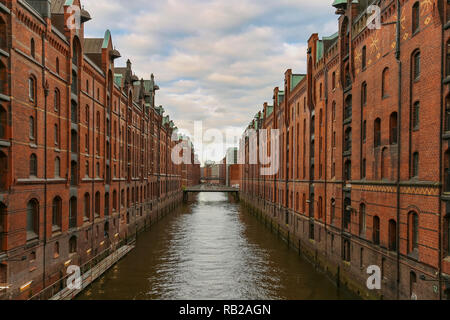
{"points": [[84, 152], [364, 151]]}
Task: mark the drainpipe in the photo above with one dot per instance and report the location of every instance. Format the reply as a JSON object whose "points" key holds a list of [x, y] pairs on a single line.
{"points": [[92, 211], [326, 155], [46, 92], [399, 140], [440, 164]]}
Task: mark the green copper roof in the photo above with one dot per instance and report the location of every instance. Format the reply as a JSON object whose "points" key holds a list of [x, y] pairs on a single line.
{"points": [[319, 50], [337, 3], [118, 79], [106, 39], [295, 80], [269, 110], [332, 37]]}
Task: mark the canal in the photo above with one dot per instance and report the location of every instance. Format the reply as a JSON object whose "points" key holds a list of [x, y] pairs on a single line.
{"points": [[212, 249]]}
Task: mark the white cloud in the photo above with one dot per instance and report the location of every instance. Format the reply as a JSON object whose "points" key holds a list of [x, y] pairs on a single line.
{"points": [[215, 60]]}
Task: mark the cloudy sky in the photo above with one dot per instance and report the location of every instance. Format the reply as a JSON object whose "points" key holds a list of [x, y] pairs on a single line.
{"points": [[216, 61]]}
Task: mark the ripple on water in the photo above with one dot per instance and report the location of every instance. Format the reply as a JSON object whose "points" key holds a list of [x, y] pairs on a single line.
{"points": [[212, 249]]}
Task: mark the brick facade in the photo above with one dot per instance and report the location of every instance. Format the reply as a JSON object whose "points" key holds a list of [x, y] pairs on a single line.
{"points": [[364, 151], [85, 155]]}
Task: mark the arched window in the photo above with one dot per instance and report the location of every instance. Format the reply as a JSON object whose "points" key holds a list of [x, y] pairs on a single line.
{"points": [[57, 167], [347, 76], [32, 219], [348, 108], [3, 122], [57, 65], [57, 100], [377, 133], [106, 204], [416, 115], [74, 112], [87, 207], [364, 131], [415, 17], [384, 171], [73, 209], [74, 141], [392, 235], [87, 173], [415, 165], [97, 204], [416, 65], [320, 207], [347, 213], [413, 232], [447, 59], [33, 165], [362, 219], [363, 169], [74, 86], [32, 89], [3, 35], [364, 94], [376, 230], [75, 52], [333, 210], [33, 48], [393, 128], [73, 245], [348, 170], [3, 78], [348, 140], [56, 134], [32, 129], [385, 83], [345, 36], [363, 57], [56, 214], [73, 173], [3, 171], [86, 115], [115, 200], [98, 120]]}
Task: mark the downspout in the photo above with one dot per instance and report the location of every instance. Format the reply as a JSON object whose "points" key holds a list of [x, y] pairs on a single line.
{"points": [[440, 164], [46, 92], [92, 211], [399, 141], [325, 145]]}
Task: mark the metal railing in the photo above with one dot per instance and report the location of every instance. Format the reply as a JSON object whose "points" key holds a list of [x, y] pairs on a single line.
{"points": [[100, 261]]}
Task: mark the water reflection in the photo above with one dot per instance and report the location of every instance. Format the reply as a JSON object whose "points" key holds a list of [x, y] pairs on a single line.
{"points": [[212, 249]]}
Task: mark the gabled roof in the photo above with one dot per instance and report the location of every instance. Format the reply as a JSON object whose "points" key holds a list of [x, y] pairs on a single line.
{"points": [[295, 80], [93, 45], [57, 6]]}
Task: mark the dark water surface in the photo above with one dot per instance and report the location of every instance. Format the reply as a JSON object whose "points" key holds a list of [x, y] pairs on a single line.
{"points": [[212, 249]]}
